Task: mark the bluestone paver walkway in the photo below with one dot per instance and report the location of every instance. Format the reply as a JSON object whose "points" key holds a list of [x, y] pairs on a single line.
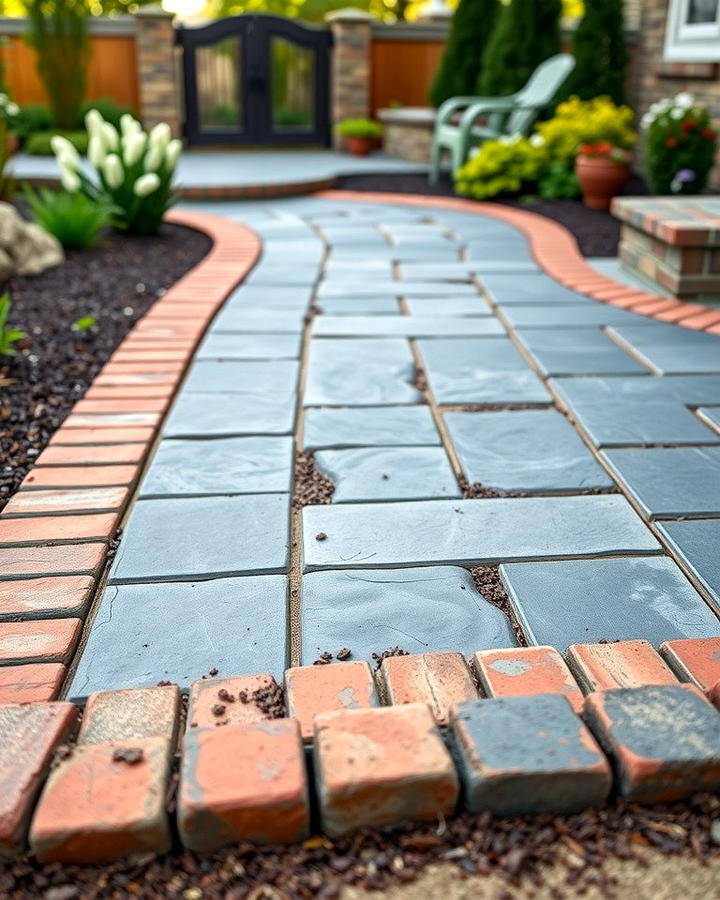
{"points": [[470, 410]]}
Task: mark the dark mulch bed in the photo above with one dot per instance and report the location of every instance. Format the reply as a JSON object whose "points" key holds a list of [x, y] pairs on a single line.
{"points": [[596, 232], [519, 850], [116, 283]]}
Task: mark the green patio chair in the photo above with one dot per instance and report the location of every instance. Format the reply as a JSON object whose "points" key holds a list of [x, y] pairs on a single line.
{"points": [[456, 123]]}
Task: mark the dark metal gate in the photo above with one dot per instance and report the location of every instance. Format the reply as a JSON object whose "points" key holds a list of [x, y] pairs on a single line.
{"points": [[256, 80]]}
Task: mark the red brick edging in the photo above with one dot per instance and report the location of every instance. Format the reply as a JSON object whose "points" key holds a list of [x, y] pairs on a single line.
{"points": [[55, 531], [517, 731], [556, 251]]}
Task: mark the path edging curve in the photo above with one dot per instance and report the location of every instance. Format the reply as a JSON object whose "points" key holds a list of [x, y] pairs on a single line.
{"points": [[556, 250], [56, 530]]}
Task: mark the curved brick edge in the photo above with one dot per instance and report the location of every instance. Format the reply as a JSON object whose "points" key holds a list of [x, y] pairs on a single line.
{"points": [[521, 730], [55, 532], [556, 250]]}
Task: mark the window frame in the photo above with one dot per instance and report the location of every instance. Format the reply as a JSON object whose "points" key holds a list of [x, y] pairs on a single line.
{"points": [[684, 42]]}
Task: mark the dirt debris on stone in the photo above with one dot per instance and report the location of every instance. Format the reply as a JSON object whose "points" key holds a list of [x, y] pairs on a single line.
{"points": [[269, 700], [312, 487], [385, 654], [489, 584], [131, 756]]}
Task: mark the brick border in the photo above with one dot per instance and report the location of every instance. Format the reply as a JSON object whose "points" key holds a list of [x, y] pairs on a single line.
{"points": [[517, 731], [55, 531], [556, 251]]}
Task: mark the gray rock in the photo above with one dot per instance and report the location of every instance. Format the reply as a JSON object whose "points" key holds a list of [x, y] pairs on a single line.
{"points": [[250, 465], [177, 632], [472, 531], [370, 426], [524, 450], [585, 601], [27, 249], [203, 537], [428, 609], [388, 473]]}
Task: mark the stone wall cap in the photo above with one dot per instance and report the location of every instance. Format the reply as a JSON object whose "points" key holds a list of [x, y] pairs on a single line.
{"points": [[351, 14], [153, 11], [408, 115]]}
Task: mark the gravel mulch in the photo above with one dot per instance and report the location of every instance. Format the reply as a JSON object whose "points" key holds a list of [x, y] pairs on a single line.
{"points": [[597, 232], [115, 283], [520, 850], [312, 487]]}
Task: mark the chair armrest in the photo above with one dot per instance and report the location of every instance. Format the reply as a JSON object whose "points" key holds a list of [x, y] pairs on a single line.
{"points": [[455, 104], [482, 108]]}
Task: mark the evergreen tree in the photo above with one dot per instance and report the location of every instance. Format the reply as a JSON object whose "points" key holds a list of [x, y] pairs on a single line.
{"points": [[460, 65], [526, 33], [600, 53]]}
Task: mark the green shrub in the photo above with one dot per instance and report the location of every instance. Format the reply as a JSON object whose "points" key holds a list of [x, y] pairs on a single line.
{"points": [[57, 31], [8, 334], [111, 111], [74, 219], [526, 33], [680, 145], [360, 128], [133, 171], [40, 143], [30, 119], [600, 53], [586, 122], [460, 65], [507, 165]]}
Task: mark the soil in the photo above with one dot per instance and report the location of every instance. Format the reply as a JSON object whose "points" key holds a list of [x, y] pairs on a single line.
{"points": [[546, 857], [115, 283], [597, 232], [489, 583], [312, 487]]}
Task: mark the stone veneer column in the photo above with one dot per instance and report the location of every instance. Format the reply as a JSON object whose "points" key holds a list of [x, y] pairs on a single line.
{"points": [[350, 79], [157, 72]]}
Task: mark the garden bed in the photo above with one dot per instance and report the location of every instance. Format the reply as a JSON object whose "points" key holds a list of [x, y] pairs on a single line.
{"points": [[115, 283], [597, 232]]}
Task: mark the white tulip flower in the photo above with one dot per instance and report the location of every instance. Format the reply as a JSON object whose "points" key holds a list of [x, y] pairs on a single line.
{"points": [[113, 171], [160, 135], [96, 150], [172, 153], [110, 136], [129, 125], [537, 140], [685, 99], [133, 148], [69, 179], [12, 109], [62, 147], [146, 184], [94, 122], [154, 159]]}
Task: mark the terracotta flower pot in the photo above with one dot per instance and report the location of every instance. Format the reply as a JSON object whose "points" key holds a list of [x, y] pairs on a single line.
{"points": [[359, 146], [601, 179]]}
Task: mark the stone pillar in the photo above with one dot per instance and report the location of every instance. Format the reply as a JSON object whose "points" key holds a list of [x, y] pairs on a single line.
{"points": [[157, 71], [350, 79]]}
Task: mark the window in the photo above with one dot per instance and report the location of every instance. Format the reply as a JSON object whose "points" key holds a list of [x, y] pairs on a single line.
{"points": [[693, 31]]}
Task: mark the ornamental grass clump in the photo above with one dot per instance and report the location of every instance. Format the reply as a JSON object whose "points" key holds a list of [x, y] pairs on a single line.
{"points": [[680, 145], [133, 170]]}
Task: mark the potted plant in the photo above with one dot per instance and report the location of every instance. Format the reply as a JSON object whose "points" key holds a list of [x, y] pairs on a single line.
{"points": [[361, 135], [602, 170]]}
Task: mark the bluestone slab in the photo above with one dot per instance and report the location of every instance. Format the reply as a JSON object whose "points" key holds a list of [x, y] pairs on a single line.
{"points": [[693, 390], [254, 381], [404, 326], [698, 545], [249, 465], [670, 349], [274, 298], [525, 755], [472, 531], [203, 537], [372, 426], [422, 610], [524, 450], [448, 306], [571, 316], [577, 351], [388, 473], [178, 632], [353, 306], [258, 319], [669, 482], [218, 345], [522, 289], [585, 601], [480, 370], [359, 288], [226, 415], [345, 372]]}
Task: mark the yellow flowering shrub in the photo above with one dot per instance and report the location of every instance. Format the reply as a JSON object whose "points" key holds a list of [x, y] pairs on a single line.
{"points": [[501, 166], [586, 122]]}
